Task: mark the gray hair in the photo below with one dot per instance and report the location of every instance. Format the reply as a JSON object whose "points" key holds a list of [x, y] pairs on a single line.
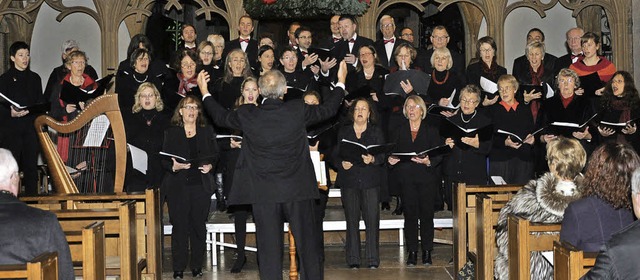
{"points": [[635, 182], [570, 73], [272, 85], [470, 89], [8, 168], [535, 45]]}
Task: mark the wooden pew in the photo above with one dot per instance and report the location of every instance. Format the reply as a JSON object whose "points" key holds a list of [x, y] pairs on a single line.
{"points": [[524, 238], [149, 224], [120, 231], [42, 267], [91, 242], [464, 216], [569, 263], [487, 213]]}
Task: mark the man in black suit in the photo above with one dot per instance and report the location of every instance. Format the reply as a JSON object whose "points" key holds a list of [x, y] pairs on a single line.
{"points": [[330, 42], [521, 64], [575, 50], [291, 34], [274, 172], [440, 39], [388, 44], [244, 42], [26, 231], [347, 49]]}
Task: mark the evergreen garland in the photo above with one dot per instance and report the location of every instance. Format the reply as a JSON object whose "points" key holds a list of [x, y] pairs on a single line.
{"points": [[271, 9]]}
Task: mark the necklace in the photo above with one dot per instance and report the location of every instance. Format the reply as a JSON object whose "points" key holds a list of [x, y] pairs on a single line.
{"points": [[433, 78], [140, 81], [149, 121], [368, 75], [190, 132], [414, 128], [462, 117]]}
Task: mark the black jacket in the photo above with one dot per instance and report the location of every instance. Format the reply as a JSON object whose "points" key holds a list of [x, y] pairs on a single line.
{"points": [[618, 259], [360, 175], [28, 232], [274, 164], [175, 142], [428, 137], [387, 62]]}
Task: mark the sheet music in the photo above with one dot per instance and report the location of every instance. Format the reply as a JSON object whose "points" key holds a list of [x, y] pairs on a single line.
{"points": [[550, 91], [319, 167], [12, 102], [97, 131], [139, 158], [548, 255], [487, 85], [453, 94], [498, 180]]}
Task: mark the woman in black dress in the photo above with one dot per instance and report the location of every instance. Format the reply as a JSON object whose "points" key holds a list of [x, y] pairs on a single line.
{"points": [[181, 84], [298, 79], [145, 130], [485, 66], [417, 177], [130, 77], [359, 184], [189, 186], [620, 104], [510, 158], [443, 81], [17, 134], [467, 162], [266, 60]]}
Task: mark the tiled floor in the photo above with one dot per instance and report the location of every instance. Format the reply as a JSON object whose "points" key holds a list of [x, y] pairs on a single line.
{"points": [[392, 266]]}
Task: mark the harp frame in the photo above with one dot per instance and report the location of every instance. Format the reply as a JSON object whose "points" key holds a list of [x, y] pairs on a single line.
{"points": [[106, 104]]}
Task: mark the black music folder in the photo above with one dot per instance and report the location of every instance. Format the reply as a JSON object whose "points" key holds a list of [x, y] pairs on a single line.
{"points": [[519, 138], [37, 109], [567, 128], [361, 92], [323, 54], [452, 130], [617, 126], [197, 161], [71, 94], [353, 151], [314, 135], [590, 83], [431, 153]]}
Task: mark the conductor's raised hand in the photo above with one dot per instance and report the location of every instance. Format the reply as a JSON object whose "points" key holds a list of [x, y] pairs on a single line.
{"points": [[203, 80], [342, 72]]}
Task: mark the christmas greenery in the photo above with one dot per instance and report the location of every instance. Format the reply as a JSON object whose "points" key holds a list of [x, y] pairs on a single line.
{"points": [[270, 9]]}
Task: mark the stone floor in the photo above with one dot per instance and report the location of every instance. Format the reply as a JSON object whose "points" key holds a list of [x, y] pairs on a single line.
{"points": [[392, 266]]}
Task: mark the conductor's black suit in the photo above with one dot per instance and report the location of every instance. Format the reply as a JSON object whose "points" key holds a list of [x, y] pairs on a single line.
{"points": [[275, 174]]}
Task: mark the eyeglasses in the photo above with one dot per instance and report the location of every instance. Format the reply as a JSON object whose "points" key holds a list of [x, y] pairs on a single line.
{"points": [[190, 107], [439, 38], [78, 62], [468, 101], [388, 25], [412, 107], [486, 50], [206, 53], [565, 81], [188, 65], [366, 54], [144, 96]]}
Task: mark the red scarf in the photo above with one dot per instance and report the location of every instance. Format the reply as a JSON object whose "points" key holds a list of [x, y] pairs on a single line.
{"points": [[536, 79], [186, 84]]}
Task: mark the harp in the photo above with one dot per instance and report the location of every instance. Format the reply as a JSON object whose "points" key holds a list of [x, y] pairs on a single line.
{"points": [[74, 135]]}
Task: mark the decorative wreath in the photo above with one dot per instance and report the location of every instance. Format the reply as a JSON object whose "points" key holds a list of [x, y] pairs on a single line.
{"points": [[270, 9]]}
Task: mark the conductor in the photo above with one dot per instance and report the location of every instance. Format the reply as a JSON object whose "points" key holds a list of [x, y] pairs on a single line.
{"points": [[274, 172]]}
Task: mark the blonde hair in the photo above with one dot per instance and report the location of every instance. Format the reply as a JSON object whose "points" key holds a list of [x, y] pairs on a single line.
{"points": [[445, 52], [137, 106], [418, 100], [566, 157]]}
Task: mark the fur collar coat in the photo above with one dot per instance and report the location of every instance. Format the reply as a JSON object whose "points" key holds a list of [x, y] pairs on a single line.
{"points": [[541, 201]]}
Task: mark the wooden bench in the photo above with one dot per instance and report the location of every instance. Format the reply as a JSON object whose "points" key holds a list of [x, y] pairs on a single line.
{"points": [[526, 237], [464, 216], [487, 214], [91, 242], [120, 232], [149, 224], [569, 263], [42, 267]]}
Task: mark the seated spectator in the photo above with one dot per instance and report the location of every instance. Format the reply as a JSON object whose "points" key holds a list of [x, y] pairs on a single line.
{"points": [[27, 232], [605, 207], [543, 201], [618, 258]]}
